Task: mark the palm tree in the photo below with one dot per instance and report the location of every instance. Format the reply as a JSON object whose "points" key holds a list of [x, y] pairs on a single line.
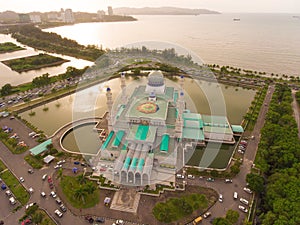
{"points": [[80, 193], [81, 179], [90, 188]]}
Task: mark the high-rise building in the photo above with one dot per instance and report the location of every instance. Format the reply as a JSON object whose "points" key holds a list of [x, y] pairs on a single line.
{"points": [[110, 11], [34, 18], [100, 14], [67, 16]]}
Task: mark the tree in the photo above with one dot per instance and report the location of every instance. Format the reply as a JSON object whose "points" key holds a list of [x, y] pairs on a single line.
{"points": [[37, 217], [90, 188], [81, 179], [232, 216], [221, 221], [6, 89], [80, 193], [256, 182]]}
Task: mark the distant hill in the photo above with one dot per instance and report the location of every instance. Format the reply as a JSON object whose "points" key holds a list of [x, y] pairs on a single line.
{"points": [[161, 11]]}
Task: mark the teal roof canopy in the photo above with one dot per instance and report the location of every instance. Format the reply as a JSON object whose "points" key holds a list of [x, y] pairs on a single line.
{"points": [[118, 138], [105, 144], [164, 146], [40, 148], [237, 129]]}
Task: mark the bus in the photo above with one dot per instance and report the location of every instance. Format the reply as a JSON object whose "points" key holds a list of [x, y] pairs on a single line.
{"points": [[197, 220]]}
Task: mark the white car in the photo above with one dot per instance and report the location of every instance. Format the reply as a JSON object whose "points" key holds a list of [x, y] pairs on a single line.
{"points": [[43, 194], [190, 176], [30, 204], [235, 195], [21, 179], [58, 213], [44, 177], [220, 198], [180, 176], [8, 193], [30, 190], [119, 222], [247, 190], [243, 208], [61, 162], [57, 166], [207, 214], [12, 200], [53, 194], [244, 201]]}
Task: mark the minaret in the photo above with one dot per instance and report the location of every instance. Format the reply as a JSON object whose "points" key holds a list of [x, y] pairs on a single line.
{"points": [[123, 87], [109, 103]]}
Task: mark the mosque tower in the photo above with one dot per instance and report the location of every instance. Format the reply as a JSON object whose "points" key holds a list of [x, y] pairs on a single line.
{"points": [[123, 87], [181, 82], [109, 103]]}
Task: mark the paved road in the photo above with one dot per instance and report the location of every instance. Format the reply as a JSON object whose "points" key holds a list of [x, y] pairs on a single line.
{"points": [[239, 182]]}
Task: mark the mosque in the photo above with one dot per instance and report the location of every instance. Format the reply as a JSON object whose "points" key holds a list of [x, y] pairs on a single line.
{"points": [[148, 132]]}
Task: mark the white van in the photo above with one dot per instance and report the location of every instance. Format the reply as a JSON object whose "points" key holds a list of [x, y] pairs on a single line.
{"points": [[235, 195]]}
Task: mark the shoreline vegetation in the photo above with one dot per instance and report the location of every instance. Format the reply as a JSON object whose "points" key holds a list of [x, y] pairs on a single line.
{"points": [[8, 47], [33, 62]]}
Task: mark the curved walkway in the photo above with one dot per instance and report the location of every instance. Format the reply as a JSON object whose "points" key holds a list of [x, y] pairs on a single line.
{"points": [[60, 133]]}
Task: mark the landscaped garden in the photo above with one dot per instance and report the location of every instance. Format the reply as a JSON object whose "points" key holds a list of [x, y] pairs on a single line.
{"points": [[37, 216], [9, 47], [33, 62], [79, 191]]}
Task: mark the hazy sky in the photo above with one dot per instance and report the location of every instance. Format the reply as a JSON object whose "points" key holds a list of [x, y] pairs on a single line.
{"points": [[269, 6]]}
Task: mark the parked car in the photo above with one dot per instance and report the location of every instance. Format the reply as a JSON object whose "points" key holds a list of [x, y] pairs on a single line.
{"points": [[76, 163], [53, 194], [210, 179], [100, 220], [57, 166], [30, 171], [89, 218], [228, 181], [63, 208], [235, 195], [43, 194], [30, 204], [58, 201], [243, 208], [12, 200], [190, 176], [8, 193], [58, 213], [21, 179], [244, 201], [247, 190], [30, 190], [61, 162], [44, 177], [180, 176], [220, 198], [207, 214]]}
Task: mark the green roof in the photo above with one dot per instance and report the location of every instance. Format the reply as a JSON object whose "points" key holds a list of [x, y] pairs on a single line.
{"points": [[118, 138], [105, 144], [125, 146], [127, 162], [141, 164], [191, 133], [237, 129], [133, 163], [121, 109], [141, 133], [164, 146], [40, 148]]}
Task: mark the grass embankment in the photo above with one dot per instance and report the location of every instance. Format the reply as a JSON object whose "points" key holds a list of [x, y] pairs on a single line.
{"points": [[80, 193], [13, 184], [177, 208], [12, 144], [9, 47], [35, 161], [33, 62]]}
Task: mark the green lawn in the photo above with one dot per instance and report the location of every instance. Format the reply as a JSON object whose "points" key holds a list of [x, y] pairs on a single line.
{"points": [[9, 47], [14, 185], [70, 184], [35, 162], [176, 208]]}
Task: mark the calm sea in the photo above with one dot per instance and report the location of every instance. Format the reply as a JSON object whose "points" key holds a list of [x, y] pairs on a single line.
{"points": [[262, 42]]}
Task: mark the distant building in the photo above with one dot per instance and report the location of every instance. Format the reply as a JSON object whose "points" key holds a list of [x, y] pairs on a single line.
{"points": [[34, 18], [53, 17], [110, 11], [24, 18], [100, 14], [67, 16]]}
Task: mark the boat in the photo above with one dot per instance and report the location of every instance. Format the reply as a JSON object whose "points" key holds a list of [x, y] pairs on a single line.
{"points": [[236, 19]]}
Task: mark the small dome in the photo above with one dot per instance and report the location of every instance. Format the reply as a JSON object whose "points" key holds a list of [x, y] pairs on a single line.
{"points": [[156, 79], [181, 76], [181, 93], [152, 94], [108, 89]]}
